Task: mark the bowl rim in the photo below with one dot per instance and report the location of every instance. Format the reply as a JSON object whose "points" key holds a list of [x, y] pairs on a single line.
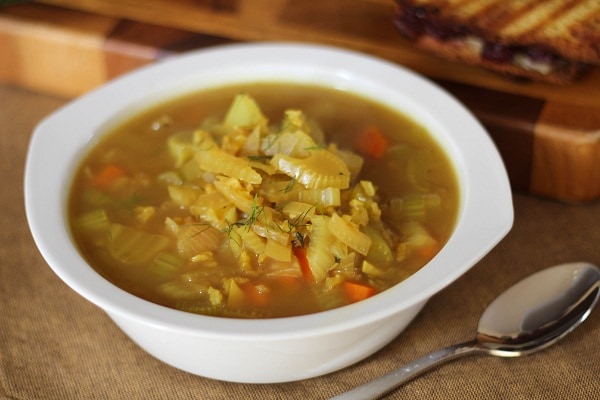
{"points": [[59, 140]]}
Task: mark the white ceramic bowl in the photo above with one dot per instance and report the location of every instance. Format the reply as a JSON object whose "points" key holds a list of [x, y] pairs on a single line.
{"points": [[274, 350]]}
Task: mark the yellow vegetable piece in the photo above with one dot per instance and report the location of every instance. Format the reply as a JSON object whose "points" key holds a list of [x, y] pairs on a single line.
{"points": [[133, 246], [318, 253], [321, 169], [244, 111], [233, 191], [218, 161], [349, 234], [328, 197], [183, 195], [236, 295], [278, 251]]}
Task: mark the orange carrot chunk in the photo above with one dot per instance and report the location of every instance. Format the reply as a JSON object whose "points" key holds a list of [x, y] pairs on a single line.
{"points": [[372, 142], [107, 175], [357, 291], [255, 296], [300, 253]]}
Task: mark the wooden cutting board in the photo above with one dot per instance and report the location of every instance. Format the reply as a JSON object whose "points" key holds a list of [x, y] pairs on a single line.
{"points": [[548, 135]]}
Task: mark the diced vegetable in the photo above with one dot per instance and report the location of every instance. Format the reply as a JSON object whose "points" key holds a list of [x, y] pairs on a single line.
{"points": [[419, 240], [372, 271], [144, 214], [294, 144], [298, 212], [379, 251], [94, 221], [257, 295], [133, 246], [181, 149], [357, 291], [349, 234], [300, 254], [107, 176], [321, 169], [244, 112], [278, 251], [165, 265], [249, 239], [320, 258], [372, 142], [198, 238], [183, 195], [328, 197], [233, 191], [236, 297], [219, 162], [214, 208]]}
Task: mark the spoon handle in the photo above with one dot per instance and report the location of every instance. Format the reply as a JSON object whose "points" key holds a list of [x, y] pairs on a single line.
{"points": [[378, 387]]}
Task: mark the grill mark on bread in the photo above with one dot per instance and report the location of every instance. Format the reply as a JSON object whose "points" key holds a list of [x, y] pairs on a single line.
{"points": [[503, 14], [473, 9], [535, 19], [582, 13]]}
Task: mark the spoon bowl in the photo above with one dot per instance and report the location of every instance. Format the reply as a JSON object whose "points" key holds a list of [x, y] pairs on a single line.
{"points": [[530, 316]]}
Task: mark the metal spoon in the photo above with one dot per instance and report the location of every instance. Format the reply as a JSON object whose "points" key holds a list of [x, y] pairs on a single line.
{"points": [[530, 316]]}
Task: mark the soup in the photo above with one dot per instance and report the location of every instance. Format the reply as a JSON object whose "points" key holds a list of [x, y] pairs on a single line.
{"points": [[262, 201]]}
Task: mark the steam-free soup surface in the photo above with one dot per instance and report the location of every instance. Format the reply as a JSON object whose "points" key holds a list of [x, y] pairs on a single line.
{"points": [[262, 201]]}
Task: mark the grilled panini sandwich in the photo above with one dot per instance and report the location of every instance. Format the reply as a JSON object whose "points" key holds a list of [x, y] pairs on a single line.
{"points": [[545, 40]]}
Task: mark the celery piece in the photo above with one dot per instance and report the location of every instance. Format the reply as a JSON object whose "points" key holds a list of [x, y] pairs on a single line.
{"points": [[165, 265], [321, 197], [414, 207], [379, 253], [321, 169], [96, 198], [133, 246], [433, 201], [94, 221]]}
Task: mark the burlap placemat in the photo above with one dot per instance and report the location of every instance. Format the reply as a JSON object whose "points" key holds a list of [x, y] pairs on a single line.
{"points": [[56, 345]]}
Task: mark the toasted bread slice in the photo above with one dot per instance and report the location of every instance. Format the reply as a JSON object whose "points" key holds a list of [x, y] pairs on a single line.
{"points": [[549, 40]]}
